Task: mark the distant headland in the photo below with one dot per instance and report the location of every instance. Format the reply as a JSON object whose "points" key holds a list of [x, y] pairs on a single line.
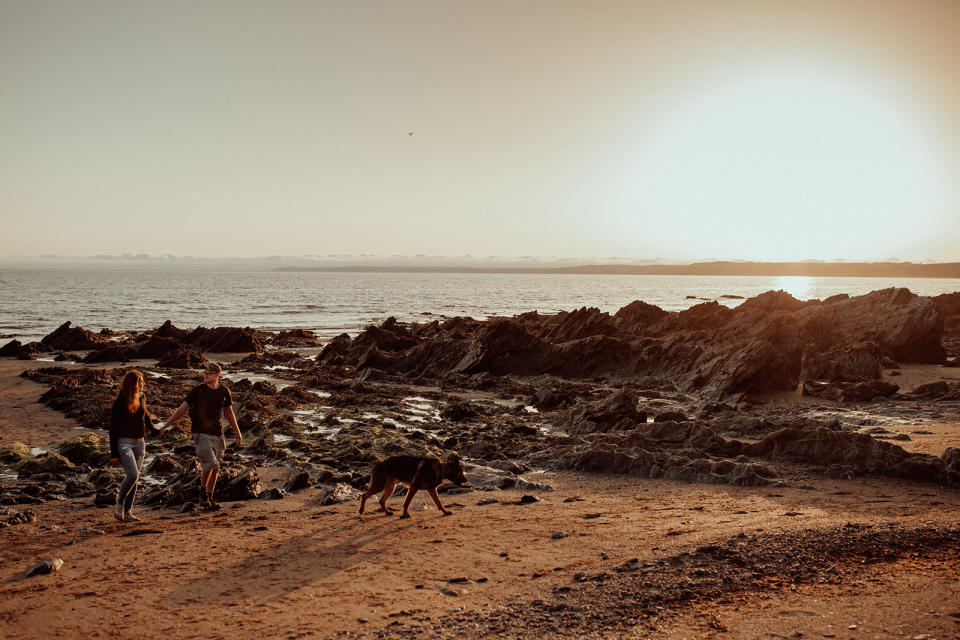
{"points": [[718, 268]]}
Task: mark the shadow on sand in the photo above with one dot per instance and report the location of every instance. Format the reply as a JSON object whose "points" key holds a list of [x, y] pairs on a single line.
{"points": [[290, 565]]}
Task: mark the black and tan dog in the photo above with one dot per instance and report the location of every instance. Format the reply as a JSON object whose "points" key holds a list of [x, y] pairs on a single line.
{"points": [[415, 472]]}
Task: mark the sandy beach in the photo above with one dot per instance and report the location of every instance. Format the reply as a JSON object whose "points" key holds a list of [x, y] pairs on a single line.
{"points": [[779, 547]]}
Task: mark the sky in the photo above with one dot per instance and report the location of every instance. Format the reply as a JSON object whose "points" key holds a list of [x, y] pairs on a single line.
{"points": [[680, 131]]}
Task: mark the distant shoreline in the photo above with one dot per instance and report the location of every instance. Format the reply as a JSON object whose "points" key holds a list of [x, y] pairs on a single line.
{"points": [[801, 269]]}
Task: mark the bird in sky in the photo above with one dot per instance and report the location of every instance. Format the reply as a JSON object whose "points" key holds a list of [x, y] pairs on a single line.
{"points": [[410, 133]]}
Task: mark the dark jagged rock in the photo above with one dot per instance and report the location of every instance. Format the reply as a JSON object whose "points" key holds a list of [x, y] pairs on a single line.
{"points": [[638, 315], [855, 453], [245, 485], [68, 338], [167, 330], [619, 411], [334, 349], [458, 411], [671, 416], [299, 478], [14, 349], [295, 338], [949, 306], [111, 353], [850, 391], [849, 364], [225, 339], [182, 358], [11, 349], [710, 349], [930, 390], [164, 465], [159, 347]]}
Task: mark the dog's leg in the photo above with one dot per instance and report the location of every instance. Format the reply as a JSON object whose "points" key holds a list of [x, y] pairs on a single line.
{"points": [[376, 483], [436, 500], [406, 503], [387, 492], [411, 490]]}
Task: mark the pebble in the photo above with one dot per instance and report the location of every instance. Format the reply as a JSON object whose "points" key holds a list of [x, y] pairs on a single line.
{"points": [[487, 500], [50, 565], [528, 499], [556, 535]]}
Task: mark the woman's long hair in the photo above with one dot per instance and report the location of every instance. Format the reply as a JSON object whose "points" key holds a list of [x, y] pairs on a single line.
{"points": [[128, 390]]}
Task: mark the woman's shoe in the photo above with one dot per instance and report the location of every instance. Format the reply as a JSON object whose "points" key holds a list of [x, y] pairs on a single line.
{"points": [[118, 514], [129, 517]]}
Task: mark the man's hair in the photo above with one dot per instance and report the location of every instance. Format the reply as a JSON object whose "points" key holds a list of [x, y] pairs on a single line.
{"points": [[213, 367]]}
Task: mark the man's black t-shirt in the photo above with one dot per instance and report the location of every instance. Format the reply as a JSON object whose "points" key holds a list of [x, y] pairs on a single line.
{"points": [[206, 405]]}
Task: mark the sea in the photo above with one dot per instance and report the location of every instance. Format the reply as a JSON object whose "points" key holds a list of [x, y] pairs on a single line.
{"points": [[35, 302]]}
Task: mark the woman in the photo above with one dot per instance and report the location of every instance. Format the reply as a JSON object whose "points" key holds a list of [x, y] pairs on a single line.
{"points": [[129, 424]]}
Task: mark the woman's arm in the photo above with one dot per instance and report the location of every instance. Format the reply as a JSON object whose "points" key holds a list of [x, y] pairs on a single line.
{"points": [[148, 428]]}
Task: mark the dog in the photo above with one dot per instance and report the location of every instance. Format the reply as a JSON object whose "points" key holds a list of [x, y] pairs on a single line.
{"points": [[415, 472]]}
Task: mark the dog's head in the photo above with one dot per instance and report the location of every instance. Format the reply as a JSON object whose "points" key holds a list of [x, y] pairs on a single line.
{"points": [[453, 469]]}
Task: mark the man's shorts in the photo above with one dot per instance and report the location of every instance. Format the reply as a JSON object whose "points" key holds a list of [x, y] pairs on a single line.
{"points": [[209, 450]]}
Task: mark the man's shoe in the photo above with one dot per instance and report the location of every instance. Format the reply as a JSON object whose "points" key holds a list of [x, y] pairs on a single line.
{"points": [[204, 500], [118, 514], [214, 505], [129, 517]]}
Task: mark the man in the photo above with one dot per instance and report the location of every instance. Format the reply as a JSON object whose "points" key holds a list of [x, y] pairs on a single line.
{"points": [[206, 402]]}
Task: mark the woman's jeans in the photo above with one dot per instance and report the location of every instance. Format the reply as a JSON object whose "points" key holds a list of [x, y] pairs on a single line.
{"points": [[131, 457]]}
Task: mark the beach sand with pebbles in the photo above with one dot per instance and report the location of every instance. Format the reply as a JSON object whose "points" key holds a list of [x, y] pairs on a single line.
{"points": [[599, 556]]}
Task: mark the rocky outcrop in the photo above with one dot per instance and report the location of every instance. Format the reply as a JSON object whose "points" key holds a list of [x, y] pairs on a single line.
{"points": [[225, 340], [159, 347], [13, 452], [15, 349], [79, 449], [849, 453], [295, 338], [762, 345], [617, 412], [111, 353], [69, 338], [167, 330], [45, 463], [182, 358], [850, 391], [849, 364], [949, 306]]}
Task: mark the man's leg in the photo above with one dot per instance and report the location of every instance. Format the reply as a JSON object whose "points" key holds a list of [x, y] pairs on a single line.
{"points": [[204, 494], [211, 484]]}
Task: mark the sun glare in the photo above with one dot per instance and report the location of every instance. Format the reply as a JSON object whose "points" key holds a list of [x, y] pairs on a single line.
{"points": [[792, 163]]}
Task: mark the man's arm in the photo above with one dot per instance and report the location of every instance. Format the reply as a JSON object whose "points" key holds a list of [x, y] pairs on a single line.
{"points": [[182, 409], [232, 419]]}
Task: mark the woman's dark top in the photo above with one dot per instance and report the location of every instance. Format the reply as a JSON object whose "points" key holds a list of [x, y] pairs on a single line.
{"points": [[124, 424]]}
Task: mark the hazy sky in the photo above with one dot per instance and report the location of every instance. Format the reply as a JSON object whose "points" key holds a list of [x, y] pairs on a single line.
{"points": [[679, 129]]}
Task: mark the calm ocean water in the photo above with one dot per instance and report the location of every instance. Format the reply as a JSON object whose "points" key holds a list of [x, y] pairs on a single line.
{"points": [[33, 303]]}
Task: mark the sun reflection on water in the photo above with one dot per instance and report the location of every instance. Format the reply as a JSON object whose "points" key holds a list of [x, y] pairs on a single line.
{"points": [[800, 287]]}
